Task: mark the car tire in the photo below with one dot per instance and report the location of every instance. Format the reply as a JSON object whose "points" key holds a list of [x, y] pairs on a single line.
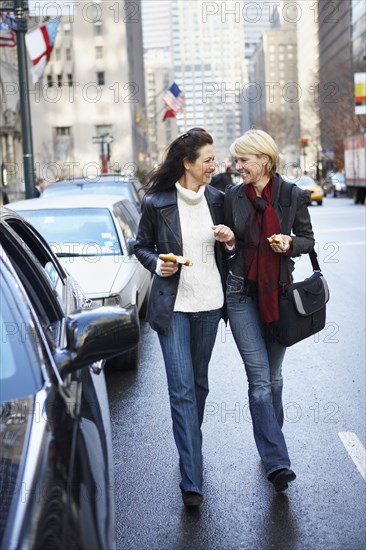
{"points": [[335, 194], [320, 203]]}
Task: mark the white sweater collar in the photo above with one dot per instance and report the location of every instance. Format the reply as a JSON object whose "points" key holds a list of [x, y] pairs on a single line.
{"points": [[189, 196]]}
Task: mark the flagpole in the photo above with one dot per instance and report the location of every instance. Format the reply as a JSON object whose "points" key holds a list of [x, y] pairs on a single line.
{"points": [[27, 141]]}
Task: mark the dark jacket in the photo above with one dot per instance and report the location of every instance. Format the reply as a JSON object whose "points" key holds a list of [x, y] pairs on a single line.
{"points": [[238, 207], [160, 233]]}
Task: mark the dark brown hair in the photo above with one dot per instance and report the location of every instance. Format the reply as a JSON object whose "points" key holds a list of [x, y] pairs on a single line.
{"points": [[185, 147]]}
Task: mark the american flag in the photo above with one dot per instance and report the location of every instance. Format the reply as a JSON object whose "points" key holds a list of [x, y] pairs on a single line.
{"points": [[7, 36], [175, 98]]}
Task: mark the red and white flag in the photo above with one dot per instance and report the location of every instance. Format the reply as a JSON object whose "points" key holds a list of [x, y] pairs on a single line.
{"points": [[39, 44]]}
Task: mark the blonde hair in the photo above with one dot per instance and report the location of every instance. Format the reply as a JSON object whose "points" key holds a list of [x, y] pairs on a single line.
{"points": [[257, 142]]}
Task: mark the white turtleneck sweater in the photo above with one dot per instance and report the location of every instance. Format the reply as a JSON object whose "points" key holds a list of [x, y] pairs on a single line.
{"points": [[200, 287]]}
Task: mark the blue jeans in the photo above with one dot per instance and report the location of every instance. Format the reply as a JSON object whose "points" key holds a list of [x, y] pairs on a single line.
{"points": [[187, 350], [263, 364]]}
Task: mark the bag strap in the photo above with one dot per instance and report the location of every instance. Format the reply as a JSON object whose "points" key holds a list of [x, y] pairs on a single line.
{"points": [[287, 206]]}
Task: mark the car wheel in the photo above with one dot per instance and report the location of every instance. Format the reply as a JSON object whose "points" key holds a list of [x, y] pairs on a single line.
{"points": [[335, 194], [320, 203]]}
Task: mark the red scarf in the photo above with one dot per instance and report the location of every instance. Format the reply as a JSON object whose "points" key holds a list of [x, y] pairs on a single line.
{"points": [[262, 265]]}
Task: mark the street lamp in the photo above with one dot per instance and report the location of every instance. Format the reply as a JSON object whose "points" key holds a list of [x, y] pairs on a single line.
{"points": [[19, 24]]}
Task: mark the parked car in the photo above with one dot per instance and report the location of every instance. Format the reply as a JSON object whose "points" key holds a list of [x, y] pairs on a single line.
{"points": [[56, 463], [94, 240], [105, 184], [335, 184], [306, 182]]}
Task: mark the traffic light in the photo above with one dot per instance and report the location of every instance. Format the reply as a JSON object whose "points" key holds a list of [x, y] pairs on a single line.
{"points": [[304, 142]]}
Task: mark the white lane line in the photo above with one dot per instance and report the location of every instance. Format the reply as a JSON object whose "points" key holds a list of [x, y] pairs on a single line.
{"points": [[340, 229], [356, 451], [351, 243]]}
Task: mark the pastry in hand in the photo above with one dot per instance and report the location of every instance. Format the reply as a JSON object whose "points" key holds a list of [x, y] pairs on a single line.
{"points": [[275, 239], [175, 259]]}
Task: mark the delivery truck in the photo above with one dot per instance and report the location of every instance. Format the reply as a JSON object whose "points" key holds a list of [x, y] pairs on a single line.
{"points": [[355, 167]]}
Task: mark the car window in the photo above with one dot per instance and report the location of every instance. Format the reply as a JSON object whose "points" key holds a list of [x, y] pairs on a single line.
{"points": [[48, 305], [123, 223], [103, 186], [304, 181], [53, 271], [76, 231], [17, 351], [129, 213]]}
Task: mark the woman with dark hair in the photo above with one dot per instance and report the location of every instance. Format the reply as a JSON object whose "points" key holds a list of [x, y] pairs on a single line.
{"points": [[181, 214]]}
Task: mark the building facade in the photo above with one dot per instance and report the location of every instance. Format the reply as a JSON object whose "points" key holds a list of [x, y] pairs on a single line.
{"points": [[159, 74], [308, 80], [278, 93], [209, 65], [84, 109], [11, 169]]}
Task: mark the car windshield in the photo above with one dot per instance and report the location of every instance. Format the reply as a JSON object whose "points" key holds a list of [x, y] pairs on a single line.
{"points": [[304, 181], [337, 177], [77, 231]]}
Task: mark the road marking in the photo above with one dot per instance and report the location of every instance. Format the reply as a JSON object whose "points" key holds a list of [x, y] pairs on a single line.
{"points": [[356, 451], [340, 229], [351, 243]]}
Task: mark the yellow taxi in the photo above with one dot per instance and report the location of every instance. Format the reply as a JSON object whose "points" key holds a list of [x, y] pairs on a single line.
{"points": [[306, 182]]}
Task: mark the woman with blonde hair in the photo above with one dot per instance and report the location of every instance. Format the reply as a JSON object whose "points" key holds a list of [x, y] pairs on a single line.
{"points": [[254, 212]]}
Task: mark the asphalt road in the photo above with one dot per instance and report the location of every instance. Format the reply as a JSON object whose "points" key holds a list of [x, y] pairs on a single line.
{"points": [[324, 403]]}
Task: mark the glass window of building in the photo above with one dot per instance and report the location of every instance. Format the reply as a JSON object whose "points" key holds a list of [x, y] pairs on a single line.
{"points": [[98, 29], [100, 78], [67, 29], [63, 130]]}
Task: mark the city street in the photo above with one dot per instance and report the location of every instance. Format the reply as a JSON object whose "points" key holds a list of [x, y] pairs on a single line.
{"points": [[324, 404]]}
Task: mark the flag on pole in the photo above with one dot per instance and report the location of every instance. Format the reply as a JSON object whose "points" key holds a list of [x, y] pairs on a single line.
{"points": [[169, 114], [39, 44], [175, 99], [7, 36]]}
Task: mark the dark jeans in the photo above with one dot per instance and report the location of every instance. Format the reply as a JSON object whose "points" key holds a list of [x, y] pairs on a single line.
{"points": [[263, 364], [187, 350]]}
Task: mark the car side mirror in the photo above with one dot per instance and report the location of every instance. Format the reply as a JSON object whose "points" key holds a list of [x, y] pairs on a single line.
{"points": [[97, 334]]}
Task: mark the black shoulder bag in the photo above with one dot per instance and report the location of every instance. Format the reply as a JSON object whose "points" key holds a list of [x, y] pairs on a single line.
{"points": [[302, 304]]}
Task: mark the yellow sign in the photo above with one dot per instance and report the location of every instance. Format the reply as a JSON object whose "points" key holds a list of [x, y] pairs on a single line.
{"points": [[360, 93]]}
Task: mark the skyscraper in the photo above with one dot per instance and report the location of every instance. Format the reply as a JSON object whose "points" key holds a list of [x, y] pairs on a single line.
{"points": [[207, 49], [208, 60]]}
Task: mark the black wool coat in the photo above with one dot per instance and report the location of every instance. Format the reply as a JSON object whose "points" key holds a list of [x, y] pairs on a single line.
{"points": [[238, 207], [160, 233]]}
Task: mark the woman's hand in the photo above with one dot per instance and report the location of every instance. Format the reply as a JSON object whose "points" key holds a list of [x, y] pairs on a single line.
{"points": [[223, 234], [168, 269], [284, 247]]}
